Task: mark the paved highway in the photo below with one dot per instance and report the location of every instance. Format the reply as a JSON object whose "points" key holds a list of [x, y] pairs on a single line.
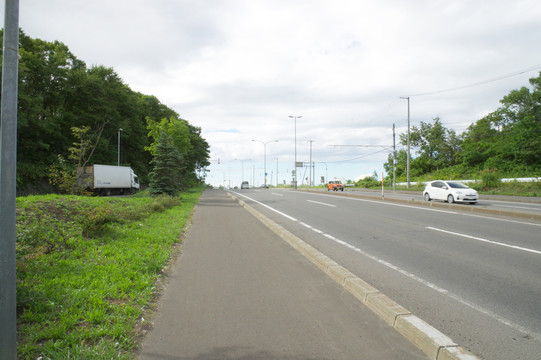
{"points": [[476, 278]]}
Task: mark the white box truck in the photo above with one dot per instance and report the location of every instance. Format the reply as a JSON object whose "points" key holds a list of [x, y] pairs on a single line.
{"points": [[108, 179]]}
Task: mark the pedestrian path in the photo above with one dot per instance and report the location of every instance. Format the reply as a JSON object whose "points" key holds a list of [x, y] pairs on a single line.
{"points": [[238, 291]]}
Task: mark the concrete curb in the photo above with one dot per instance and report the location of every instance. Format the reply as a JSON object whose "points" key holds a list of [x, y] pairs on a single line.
{"points": [[442, 205], [431, 341]]}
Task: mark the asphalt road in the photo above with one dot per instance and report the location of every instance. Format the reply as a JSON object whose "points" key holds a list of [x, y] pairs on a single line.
{"points": [[476, 278]]}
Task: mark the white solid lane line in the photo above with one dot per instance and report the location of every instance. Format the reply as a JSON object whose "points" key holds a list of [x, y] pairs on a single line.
{"points": [[485, 240], [317, 202], [268, 207]]}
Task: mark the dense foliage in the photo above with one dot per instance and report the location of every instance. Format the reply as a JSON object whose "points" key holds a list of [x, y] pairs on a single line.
{"points": [[57, 92], [506, 142], [168, 167]]}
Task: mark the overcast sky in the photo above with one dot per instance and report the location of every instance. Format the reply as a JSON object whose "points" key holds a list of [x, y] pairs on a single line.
{"points": [[239, 69]]}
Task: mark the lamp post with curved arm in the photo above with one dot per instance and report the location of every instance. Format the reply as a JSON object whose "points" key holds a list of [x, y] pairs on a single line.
{"points": [[295, 117], [265, 156], [242, 161], [119, 130]]}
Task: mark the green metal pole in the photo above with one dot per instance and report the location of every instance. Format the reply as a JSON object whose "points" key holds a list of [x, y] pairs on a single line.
{"points": [[8, 169]]}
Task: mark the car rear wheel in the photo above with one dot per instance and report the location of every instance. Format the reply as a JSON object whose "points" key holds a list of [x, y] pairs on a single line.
{"points": [[427, 197], [450, 199]]}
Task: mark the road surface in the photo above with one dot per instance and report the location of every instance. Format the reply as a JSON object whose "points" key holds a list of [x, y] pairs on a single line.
{"points": [[476, 278]]}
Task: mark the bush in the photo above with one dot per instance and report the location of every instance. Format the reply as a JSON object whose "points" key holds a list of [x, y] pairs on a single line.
{"points": [[369, 181], [490, 179], [43, 229], [93, 221]]}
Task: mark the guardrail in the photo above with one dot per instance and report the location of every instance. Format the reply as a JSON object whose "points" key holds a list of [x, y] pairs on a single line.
{"points": [[528, 179]]}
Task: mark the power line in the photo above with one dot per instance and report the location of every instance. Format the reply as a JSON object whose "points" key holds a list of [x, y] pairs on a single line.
{"points": [[520, 72], [357, 158]]}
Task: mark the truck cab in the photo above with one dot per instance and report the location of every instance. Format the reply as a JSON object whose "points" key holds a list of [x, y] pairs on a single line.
{"points": [[134, 182]]}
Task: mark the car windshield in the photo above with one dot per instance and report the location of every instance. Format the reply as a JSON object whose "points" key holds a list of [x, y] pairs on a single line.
{"points": [[457, 185]]}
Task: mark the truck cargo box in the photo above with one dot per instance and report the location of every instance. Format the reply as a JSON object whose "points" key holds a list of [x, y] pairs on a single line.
{"points": [[106, 179]]}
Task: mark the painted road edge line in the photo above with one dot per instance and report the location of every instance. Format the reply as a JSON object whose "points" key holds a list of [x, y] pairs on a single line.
{"points": [[428, 339]]}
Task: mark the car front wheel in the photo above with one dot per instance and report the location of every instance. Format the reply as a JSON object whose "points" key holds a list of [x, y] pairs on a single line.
{"points": [[450, 199], [427, 197]]}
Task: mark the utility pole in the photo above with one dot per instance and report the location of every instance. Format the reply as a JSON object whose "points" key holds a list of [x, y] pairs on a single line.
{"points": [[8, 183], [408, 158]]}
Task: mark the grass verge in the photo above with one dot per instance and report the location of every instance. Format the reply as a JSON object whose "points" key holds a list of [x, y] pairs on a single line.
{"points": [[86, 270]]}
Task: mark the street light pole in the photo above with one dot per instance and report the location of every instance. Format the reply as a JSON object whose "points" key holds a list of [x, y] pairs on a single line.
{"points": [[310, 174], [295, 171], [326, 172], [394, 161], [265, 157], [242, 162], [276, 171], [408, 158], [119, 130]]}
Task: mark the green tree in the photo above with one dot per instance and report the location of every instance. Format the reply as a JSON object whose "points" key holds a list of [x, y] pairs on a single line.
{"points": [[57, 92], [436, 146], [401, 162], [168, 166], [45, 70], [186, 139], [510, 137], [198, 156], [480, 142], [175, 128], [62, 175]]}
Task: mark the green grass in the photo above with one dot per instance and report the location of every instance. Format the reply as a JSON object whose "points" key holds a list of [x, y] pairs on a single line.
{"points": [[86, 270], [514, 188]]}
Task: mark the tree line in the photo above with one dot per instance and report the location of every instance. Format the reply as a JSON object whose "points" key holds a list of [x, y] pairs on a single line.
{"points": [[506, 142], [63, 105]]}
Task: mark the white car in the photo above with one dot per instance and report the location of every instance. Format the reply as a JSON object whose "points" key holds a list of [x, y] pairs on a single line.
{"points": [[450, 191]]}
